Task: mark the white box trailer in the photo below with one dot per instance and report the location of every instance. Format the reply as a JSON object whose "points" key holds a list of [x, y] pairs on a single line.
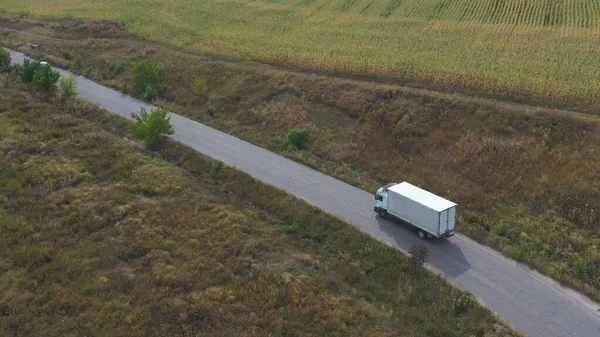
{"points": [[433, 215]]}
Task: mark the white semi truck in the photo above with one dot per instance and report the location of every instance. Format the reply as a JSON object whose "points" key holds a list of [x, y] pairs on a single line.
{"points": [[432, 215]]}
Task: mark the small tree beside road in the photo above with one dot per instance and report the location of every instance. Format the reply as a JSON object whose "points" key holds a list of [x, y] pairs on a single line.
{"points": [[147, 77], [27, 71], [45, 79], [78, 65], [67, 86], [200, 87], [153, 127]]}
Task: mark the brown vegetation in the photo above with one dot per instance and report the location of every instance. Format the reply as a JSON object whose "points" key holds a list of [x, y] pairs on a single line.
{"points": [[100, 236], [90, 29]]}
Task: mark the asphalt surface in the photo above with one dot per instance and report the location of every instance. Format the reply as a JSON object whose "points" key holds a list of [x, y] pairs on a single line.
{"points": [[528, 301]]}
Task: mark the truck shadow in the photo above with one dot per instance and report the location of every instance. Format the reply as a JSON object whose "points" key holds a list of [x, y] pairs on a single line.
{"points": [[445, 256]]}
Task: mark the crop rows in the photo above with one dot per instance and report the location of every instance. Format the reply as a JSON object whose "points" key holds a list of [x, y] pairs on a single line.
{"points": [[545, 49], [571, 13]]}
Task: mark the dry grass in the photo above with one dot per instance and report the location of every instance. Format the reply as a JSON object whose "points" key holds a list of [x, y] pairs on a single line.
{"points": [[101, 237]]}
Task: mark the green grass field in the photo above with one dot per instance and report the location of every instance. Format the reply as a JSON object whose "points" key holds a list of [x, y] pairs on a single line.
{"points": [[536, 49]]}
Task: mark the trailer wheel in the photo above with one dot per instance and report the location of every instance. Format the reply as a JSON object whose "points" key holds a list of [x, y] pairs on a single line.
{"points": [[382, 213], [422, 235]]}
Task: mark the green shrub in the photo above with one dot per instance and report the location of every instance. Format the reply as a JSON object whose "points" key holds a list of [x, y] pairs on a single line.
{"points": [[200, 87], [66, 55], [123, 87], [212, 98], [78, 65], [462, 301], [150, 93], [28, 70], [153, 127], [4, 58], [296, 137], [8, 83], [146, 74], [581, 270], [67, 86], [217, 165], [32, 256], [21, 14], [90, 72], [113, 69], [212, 103], [45, 79]]}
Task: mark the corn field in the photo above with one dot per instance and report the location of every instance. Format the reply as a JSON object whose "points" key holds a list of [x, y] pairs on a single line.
{"points": [[545, 49]]}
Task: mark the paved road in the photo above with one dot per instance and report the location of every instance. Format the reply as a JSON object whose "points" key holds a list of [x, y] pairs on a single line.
{"points": [[528, 301]]}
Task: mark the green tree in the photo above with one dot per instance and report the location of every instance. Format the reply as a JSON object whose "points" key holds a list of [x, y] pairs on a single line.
{"points": [[146, 74], [45, 79], [28, 70], [67, 86], [153, 127]]}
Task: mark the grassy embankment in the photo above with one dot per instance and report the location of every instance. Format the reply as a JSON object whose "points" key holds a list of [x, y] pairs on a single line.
{"points": [[527, 181], [99, 236], [530, 49]]}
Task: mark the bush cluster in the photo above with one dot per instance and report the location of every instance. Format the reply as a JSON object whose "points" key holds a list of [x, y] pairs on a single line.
{"points": [[296, 137], [147, 78]]}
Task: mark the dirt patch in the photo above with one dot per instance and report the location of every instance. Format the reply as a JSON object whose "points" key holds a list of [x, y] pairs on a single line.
{"points": [[330, 117], [90, 29], [20, 21]]}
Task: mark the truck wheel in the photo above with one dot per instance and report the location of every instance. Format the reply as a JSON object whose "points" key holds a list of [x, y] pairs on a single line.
{"points": [[382, 213], [422, 235]]}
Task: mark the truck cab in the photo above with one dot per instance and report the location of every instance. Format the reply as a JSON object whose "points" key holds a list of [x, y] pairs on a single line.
{"points": [[381, 200]]}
